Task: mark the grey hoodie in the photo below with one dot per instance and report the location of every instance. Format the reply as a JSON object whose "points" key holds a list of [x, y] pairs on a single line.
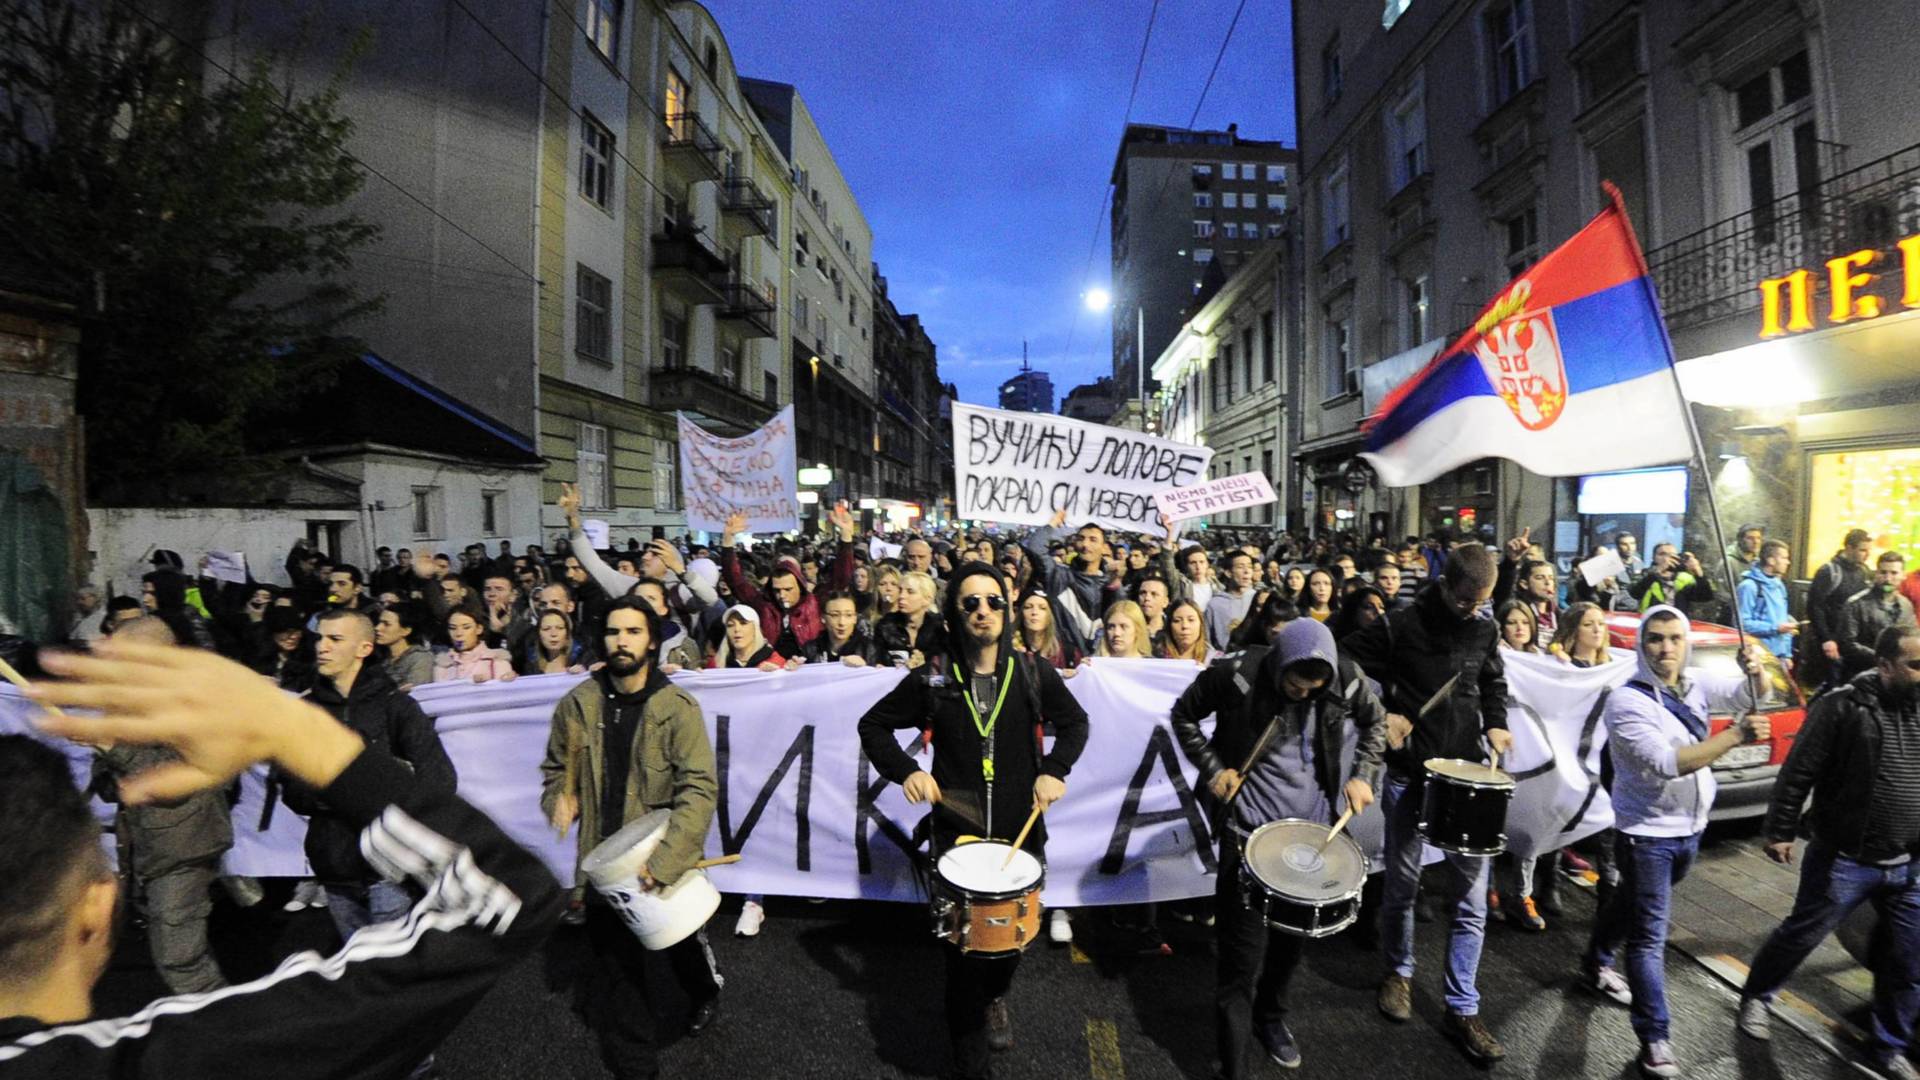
{"points": [[1282, 782]]}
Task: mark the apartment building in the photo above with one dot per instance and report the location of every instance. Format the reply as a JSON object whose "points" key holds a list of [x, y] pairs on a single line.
{"points": [[907, 380], [1028, 391]]}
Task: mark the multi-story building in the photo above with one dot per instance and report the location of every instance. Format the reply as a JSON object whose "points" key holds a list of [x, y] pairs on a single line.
{"points": [[1183, 199], [829, 280], [1094, 402], [1224, 378], [1766, 153], [1027, 391], [906, 373]]}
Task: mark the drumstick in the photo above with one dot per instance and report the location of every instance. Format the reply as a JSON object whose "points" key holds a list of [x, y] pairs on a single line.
{"points": [[722, 860], [1335, 831], [1022, 838], [1493, 766], [1259, 745]]}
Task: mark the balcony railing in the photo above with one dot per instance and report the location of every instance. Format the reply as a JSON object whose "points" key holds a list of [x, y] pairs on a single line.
{"points": [[750, 307], [744, 203], [686, 138], [1716, 272], [685, 264], [699, 392]]}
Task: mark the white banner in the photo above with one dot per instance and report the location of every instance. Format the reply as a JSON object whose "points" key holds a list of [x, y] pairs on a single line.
{"points": [[1226, 493], [753, 474], [1020, 467], [800, 802]]}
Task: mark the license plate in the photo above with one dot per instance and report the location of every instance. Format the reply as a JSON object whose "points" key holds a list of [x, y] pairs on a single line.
{"points": [[1745, 757]]}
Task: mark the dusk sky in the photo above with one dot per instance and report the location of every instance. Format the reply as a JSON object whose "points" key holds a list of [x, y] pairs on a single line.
{"points": [[979, 138]]}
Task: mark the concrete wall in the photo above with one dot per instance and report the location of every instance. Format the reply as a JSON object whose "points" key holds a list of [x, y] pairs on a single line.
{"points": [[124, 538], [455, 503]]}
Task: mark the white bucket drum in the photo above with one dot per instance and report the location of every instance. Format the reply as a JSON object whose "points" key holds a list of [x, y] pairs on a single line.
{"points": [[660, 918]]}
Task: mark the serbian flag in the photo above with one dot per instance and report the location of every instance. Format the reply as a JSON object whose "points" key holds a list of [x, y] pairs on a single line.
{"points": [[1568, 371]]}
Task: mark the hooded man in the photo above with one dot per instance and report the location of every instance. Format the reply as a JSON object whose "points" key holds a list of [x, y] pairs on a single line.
{"points": [[1663, 786], [789, 611], [1440, 670], [1864, 617], [984, 714], [1325, 756], [1761, 597], [1858, 756]]}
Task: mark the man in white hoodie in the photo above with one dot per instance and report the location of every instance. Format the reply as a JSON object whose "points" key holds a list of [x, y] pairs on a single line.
{"points": [[1662, 787]]}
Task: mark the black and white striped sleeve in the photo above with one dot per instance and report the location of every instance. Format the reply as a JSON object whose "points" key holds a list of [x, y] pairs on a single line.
{"points": [[378, 1006]]}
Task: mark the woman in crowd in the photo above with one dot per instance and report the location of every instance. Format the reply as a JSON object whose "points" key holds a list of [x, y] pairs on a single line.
{"points": [[886, 593], [1581, 638], [287, 656], [395, 632], [911, 635], [1295, 585], [470, 658], [1512, 899], [1519, 626], [743, 646], [1316, 599], [1361, 609], [552, 649], [863, 594], [1036, 634], [1124, 631], [842, 639], [1186, 634]]}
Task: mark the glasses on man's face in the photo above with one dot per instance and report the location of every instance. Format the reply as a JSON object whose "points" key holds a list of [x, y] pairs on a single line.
{"points": [[994, 601]]}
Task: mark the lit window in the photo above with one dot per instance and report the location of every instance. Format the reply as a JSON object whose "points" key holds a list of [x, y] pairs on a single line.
{"points": [[1229, 171]]}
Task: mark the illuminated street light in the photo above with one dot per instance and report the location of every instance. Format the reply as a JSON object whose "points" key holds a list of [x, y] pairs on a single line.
{"points": [[1097, 299], [818, 476]]}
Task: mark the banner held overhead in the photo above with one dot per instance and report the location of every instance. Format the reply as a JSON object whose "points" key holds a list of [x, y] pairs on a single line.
{"points": [[752, 475]]}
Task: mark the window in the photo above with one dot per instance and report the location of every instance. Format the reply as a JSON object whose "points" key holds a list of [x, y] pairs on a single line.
{"points": [[1510, 37], [1339, 359], [711, 61], [1250, 230], [1203, 255], [679, 104], [1415, 307], [728, 361], [1276, 174], [1222, 377], [1230, 200], [1246, 354], [1276, 202], [673, 341], [1232, 230], [1775, 132], [424, 516], [1202, 229], [1202, 200], [1407, 137], [593, 316], [1249, 171], [1613, 63], [772, 388], [596, 162], [603, 27], [590, 464], [666, 475], [800, 311], [1621, 157], [1274, 229], [1330, 79], [1522, 242], [1333, 209], [490, 515], [1229, 171], [1202, 171], [1266, 353]]}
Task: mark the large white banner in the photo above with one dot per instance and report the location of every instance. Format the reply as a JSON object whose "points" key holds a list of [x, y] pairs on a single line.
{"points": [[1020, 467], [802, 805], [753, 475]]}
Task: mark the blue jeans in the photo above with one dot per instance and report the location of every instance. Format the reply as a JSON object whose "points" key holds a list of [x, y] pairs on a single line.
{"points": [[357, 906], [1831, 886], [1463, 886], [1636, 915]]}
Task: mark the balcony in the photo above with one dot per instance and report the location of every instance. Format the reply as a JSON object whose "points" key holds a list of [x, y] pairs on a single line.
{"points": [[744, 204], [687, 141], [750, 307], [703, 395], [686, 266], [1715, 273]]}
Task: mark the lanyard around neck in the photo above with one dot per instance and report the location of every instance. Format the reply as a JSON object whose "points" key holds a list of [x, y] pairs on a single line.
{"points": [[986, 729]]}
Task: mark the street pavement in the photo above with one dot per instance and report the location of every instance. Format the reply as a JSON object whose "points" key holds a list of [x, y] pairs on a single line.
{"points": [[843, 989]]}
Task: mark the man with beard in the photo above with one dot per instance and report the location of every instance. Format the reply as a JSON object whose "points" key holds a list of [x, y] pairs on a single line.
{"points": [[1859, 758], [985, 717], [626, 742]]}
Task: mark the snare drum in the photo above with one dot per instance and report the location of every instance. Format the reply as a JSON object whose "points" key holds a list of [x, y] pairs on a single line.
{"points": [[1464, 809], [1297, 887], [982, 908]]}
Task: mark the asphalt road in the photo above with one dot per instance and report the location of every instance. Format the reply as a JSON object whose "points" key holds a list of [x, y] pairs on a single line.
{"points": [[852, 990]]}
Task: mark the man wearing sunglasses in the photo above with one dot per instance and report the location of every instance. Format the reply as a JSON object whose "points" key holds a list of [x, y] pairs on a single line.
{"points": [[985, 717], [1858, 755]]}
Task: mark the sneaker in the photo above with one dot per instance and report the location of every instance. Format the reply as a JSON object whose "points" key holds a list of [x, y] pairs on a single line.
{"points": [[1755, 1019], [1610, 984], [1396, 998], [999, 1025], [1656, 1059], [1474, 1038], [1528, 916], [751, 916], [306, 894], [1059, 927], [1896, 1067], [1571, 860], [1279, 1044]]}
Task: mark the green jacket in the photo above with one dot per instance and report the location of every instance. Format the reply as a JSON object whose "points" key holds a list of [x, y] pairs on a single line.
{"points": [[672, 768]]}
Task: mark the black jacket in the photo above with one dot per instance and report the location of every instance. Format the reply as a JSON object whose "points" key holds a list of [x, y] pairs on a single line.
{"points": [[818, 651], [1242, 693], [1835, 583], [372, 1010], [1835, 759], [390, 722], [925, 699], [1861, 621], [1412, 653], [890, 635]]}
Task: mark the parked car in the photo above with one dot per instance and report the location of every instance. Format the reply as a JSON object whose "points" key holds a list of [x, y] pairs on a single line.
{"points": [[1745, 774]]}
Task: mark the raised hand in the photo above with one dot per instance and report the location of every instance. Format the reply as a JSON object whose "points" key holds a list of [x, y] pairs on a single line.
{"points": [[668, 554], [570, 504], [736, 524], [842, 520], [1517, 547]]}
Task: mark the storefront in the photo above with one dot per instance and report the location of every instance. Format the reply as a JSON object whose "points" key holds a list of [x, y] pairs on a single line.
{"points": [[1464, 503]]}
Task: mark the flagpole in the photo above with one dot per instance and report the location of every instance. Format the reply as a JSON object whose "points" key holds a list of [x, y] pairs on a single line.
{"points": [[1686, 410]]}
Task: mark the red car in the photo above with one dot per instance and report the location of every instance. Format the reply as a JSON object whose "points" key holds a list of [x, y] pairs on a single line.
{"points": [[1744, 774]]}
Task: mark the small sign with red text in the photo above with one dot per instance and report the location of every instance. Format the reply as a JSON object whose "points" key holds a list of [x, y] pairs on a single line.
{"points": [[1214, 496]]}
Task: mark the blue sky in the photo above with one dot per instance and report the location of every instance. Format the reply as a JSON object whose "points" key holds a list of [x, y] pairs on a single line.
{"points": [[978, 138]]}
